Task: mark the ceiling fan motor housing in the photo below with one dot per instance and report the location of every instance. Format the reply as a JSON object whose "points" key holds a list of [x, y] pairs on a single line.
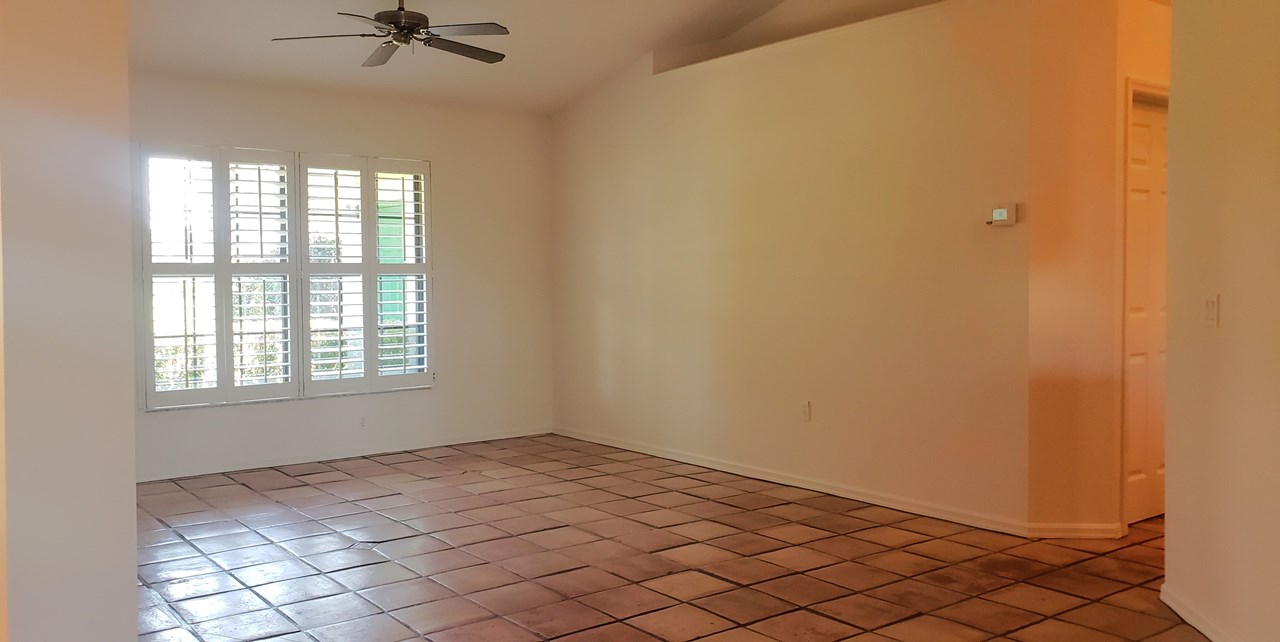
{"points": [[403, 20]]}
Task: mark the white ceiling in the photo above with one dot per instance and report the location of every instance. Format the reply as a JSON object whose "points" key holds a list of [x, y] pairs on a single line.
{"points": [[557, 48]]}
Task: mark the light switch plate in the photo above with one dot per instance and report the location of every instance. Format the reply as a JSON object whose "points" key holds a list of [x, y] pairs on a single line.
{"points": [[1213, 311]]}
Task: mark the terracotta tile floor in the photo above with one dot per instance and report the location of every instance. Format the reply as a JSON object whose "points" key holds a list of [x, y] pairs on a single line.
{"points": [[555, 538]]}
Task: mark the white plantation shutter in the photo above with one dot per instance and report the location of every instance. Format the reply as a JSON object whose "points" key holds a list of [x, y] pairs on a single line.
{"points": [[179, 281], [402, 324], [259, 198], [259, 269], [184, 325], [402, 217], [334, 273], [337, 326], [334, 214], [272, 275], [261, 335], [401, 278], [180, 197]]}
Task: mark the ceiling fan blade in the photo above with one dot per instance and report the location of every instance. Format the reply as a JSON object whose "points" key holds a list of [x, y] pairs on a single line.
{"points": [[382, 54], [368, 21], [345, 35], [475, 53], [477, 29]]}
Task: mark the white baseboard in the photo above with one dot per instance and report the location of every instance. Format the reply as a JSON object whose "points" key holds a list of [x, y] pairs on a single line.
{"points": [[979, 520], [1075, 531], [1193, 617], [328, 455]]}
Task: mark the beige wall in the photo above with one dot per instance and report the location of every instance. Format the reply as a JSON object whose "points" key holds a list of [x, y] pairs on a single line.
{"points": [[784, 20], [492, 314], [1075, 288], [1146, 40], [663, 175], [68, 365], [1224, 405], [4, 489], [1083, 55], [804, 222]]}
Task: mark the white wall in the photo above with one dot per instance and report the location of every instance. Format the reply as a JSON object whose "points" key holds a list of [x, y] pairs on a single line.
{"points": [[803, 222], [492, 314], [1224, 383], [68, 326]]}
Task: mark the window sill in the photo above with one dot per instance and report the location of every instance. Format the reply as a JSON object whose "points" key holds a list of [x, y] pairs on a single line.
{"points": [[254, 402]]}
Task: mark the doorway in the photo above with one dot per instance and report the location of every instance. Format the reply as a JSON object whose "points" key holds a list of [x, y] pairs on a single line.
{"points": [[1146, 200]]}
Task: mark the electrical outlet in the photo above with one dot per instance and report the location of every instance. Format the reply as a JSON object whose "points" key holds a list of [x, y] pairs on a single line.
{"points": [[806, 412], [1213, 311]]}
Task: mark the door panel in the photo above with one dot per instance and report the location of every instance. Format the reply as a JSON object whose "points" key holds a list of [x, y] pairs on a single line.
{"points": [[1145, 311]]}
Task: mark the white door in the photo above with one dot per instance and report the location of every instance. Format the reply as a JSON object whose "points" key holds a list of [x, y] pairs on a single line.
{"points": [[1144, 304]]}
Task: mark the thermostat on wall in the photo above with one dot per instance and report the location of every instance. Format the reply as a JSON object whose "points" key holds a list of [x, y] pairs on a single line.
{"points": [[1004, 215]]}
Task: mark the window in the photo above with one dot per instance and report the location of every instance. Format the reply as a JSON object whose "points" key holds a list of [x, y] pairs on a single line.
{"points": [[273, 275]]}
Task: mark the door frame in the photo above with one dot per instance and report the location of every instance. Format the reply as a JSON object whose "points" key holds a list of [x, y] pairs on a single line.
{"points": [[1135, 90]]}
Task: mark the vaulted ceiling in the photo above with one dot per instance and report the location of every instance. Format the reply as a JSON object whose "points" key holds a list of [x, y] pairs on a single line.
{"points": [[557, 48]]}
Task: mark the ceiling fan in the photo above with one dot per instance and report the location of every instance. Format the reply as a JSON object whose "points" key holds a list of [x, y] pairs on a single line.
{"points": [[407, 27]]}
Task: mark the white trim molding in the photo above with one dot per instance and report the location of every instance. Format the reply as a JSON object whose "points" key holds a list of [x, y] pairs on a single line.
{"points": [[1193, 616], [970, 518], [1075, 531]]}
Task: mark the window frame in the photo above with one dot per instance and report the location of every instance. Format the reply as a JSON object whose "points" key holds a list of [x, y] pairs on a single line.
{"points": [[297, 270]]}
